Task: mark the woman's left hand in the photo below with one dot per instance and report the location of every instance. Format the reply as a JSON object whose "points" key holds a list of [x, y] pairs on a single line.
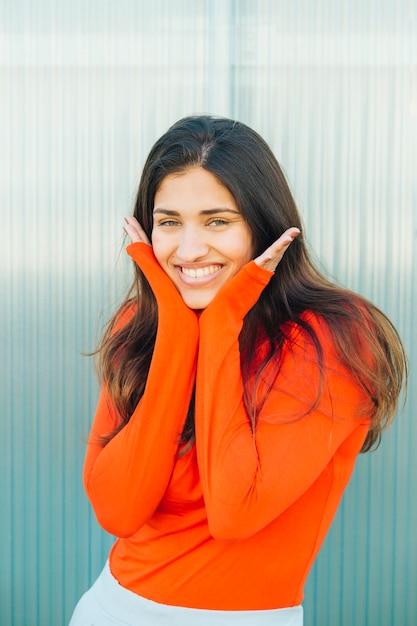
{"points": [[269, 259]]}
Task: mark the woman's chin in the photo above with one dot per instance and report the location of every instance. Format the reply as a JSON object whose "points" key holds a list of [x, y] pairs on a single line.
{"points": [[197, 301]]}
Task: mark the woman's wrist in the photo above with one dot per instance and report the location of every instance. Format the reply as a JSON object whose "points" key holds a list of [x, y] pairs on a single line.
{"points": [[170, 304], [240, 293]]}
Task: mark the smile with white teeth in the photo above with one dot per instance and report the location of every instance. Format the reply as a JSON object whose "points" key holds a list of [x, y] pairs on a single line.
{"points": [[200, 272]]}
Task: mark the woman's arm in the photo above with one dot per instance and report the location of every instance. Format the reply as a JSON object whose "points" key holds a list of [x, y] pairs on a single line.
{"points": [[126, 479], [250, 478]]}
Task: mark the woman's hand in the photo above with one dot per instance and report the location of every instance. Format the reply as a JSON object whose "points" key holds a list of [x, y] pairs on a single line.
{"points": [[135, 231], [167, 295], [269, 259]]}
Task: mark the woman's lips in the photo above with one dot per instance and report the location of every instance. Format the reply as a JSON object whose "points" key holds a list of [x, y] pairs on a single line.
{"points": [[200, 272], [198, 275]]}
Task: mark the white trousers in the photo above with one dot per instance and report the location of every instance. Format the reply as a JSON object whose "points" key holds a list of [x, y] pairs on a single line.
{"points": [[107, 603]]}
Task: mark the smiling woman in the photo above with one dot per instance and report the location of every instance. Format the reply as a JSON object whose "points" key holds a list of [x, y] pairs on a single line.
{"points": [[239, 386]]}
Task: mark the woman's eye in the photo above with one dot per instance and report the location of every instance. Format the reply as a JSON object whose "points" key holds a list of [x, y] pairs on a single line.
{"points": [[218, 222], [168, 223]]}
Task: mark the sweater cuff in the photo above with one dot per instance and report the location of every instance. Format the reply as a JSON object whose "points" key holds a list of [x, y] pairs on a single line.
{"points": [[239, 294], [258, 273]]}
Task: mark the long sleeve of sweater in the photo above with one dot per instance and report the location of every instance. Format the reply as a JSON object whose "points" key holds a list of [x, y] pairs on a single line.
{"points": [[250, 477], [126, 479]]}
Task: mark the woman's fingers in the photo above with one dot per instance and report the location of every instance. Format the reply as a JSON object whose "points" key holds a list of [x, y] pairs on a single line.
{"points": [[269, 259], [135, 231]]}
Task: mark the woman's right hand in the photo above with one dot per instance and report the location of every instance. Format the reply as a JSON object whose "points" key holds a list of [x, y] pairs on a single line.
{"points": [[170, 302], [135, 231]]}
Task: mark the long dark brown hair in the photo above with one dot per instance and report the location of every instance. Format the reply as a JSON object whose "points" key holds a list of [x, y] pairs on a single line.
{"points": [[366, 341]]}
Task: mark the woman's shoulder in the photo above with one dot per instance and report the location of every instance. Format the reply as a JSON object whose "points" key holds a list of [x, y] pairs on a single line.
{"points": [[309, 325], [347, 313], [328, 337]]}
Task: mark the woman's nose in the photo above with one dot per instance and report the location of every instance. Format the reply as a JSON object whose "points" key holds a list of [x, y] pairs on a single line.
{"points": [[192, 245]]}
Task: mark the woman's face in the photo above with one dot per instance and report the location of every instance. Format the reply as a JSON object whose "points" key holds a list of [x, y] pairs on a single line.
{"points": [[199, 237]]}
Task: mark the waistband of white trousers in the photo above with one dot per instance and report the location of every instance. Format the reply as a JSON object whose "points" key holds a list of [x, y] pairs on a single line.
{"points": [[135, 609]]}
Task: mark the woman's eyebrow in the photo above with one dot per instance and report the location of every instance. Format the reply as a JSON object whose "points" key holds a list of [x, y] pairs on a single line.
{"points": [[165, 212], [204, 212], [218, 210]]}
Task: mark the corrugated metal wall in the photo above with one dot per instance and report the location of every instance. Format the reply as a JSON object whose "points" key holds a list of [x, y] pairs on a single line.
{"points": [[86, 87]]}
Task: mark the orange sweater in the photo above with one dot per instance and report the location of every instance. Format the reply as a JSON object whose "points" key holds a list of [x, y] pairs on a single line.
{"points": [[237, 522]]}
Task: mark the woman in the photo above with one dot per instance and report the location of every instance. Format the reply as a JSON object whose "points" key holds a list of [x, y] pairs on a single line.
{"points": [[239, 386]]}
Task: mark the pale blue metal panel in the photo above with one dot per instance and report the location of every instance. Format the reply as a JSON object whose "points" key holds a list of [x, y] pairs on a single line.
{"points": [[86, 89]]}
